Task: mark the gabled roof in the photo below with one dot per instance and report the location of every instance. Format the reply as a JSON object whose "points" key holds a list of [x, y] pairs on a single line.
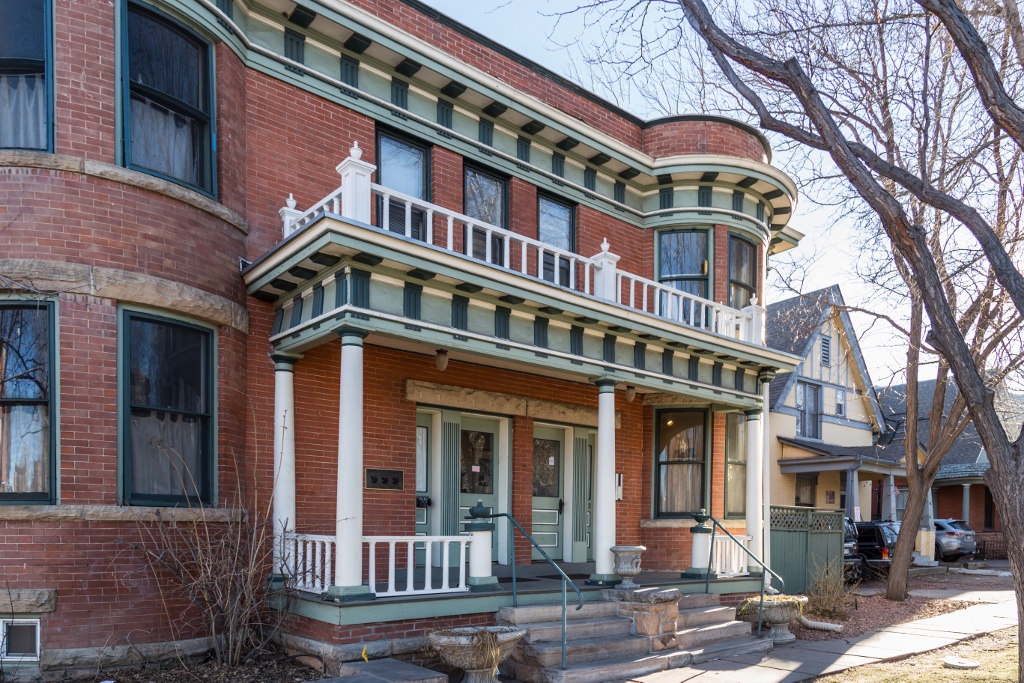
{"points": [[887, 454], [792, 325]]}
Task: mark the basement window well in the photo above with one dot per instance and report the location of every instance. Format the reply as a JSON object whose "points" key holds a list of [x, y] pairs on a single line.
{"points": [[19, 640]]}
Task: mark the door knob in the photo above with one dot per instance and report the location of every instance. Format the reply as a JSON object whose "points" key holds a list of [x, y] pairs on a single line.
{"points": [[561, 506]]}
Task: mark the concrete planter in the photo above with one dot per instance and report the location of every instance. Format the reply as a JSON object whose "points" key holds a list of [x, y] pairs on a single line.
{"points": [[627, 563], [777, 614], [477, 650]]}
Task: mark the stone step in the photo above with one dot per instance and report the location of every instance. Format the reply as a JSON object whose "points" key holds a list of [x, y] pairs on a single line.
{"points": [[733, 647], [549, 653], [695, 600], [703, 616], [699, 636], [386, 670], [533, 614], [605, 670], [577, 629]]}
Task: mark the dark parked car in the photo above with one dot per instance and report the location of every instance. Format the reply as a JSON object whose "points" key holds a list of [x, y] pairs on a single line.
{"points": [[876, 544], [953, 539], [853, 567]]}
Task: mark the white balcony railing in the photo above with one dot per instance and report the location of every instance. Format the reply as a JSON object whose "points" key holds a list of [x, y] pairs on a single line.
{"points": [[309, 561], [728, 558], [598, 276], [432, 548]]}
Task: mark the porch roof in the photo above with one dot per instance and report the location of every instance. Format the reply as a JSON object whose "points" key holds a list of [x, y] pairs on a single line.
{"points": [[828, 457]]}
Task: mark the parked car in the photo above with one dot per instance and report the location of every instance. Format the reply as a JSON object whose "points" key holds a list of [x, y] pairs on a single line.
{"points": [[853, 566], [876, 544], [954, 539]]}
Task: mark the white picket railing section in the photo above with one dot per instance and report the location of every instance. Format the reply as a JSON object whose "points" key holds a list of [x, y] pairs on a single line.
{"points": [[728, 558], [309, 561], [427, 545], [596, 276]]}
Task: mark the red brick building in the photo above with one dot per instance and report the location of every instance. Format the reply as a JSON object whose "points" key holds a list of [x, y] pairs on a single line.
{"points": [[516, 291]]}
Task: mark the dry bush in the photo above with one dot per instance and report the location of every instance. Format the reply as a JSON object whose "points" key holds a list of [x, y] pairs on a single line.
{"points": [[830, 594]]}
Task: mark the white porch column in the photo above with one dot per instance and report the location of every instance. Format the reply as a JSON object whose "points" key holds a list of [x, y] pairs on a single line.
{"points": [[853, 491], [348, 573], [755, 502], [965, 507], [284, 456], [604, 488], [889, 497]]}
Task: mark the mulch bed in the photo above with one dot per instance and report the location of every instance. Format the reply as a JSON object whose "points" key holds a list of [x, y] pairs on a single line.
{"points": [[867, 614], [273, 667]]}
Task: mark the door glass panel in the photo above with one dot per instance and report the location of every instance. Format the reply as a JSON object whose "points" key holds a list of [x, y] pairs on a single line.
{"points": [[477, 466], [547, 464], [422, 434]]}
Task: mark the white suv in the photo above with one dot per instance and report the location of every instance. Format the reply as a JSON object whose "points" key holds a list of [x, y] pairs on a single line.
{"points": [[953, 539]]}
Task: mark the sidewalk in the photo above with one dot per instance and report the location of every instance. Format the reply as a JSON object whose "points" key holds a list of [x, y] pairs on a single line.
{"points": [[803, 660]]}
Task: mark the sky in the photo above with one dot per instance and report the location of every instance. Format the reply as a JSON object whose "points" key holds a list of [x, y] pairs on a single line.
{"points": [[529, 27]]}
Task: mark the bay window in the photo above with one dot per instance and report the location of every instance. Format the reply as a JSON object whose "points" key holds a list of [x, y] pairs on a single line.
{"points": [[169, 103], [24, 75], [681, 462], [683, 265], [742, 272]]}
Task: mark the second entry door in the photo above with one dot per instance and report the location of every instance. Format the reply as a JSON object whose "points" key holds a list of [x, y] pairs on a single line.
{"points": [[548, 490], [479, 473]]}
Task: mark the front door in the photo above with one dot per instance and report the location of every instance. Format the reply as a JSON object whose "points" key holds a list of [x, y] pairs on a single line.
{"points": [[479, 478], [548, 500], [424, 501]]}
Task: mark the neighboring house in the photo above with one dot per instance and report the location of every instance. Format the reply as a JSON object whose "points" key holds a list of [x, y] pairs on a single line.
{"points": [[520, 294], [825, 418]]}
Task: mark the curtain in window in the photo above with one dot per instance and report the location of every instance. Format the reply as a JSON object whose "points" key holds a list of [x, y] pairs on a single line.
{"points": [[166, 454], [682, 261], [735, 464], [165, 60], [681, 462], [742, 272], [24, 104], [23, 109], [24, 449], [165, 141]]}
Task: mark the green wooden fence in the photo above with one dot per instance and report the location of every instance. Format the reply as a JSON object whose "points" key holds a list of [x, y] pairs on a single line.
{"points": [[804, 542]]}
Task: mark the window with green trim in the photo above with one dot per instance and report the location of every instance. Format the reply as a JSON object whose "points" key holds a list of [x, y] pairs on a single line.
{"points": [[168, 434], [681, 462], [168, 118], [25, 75], [27, 420], [735, 465], [742, 272]]}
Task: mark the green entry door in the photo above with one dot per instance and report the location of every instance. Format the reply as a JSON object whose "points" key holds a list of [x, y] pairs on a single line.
{"points": [[479, 473], [548, 494]]}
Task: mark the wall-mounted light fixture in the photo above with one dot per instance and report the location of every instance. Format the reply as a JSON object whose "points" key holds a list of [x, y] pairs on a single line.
{"points": [[630, 394], [441, 359]]}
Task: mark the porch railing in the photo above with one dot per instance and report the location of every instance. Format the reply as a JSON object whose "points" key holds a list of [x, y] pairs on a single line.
{"points": [[411, 544], [468, 237], [730, 559], [309, 561]]}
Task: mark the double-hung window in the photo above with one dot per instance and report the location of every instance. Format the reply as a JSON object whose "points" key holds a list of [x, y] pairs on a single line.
{"points": [[26, 403], [24, 74], [403, 166], [683, 265], [169, 436], [556, 225], [742, 272], [168, 118], [681, 462], [808, 409], [735, 465], [485, 199]]}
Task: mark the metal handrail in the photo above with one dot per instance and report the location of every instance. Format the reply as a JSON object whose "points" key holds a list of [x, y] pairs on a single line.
{"points": [[479, 512], [701, 518]]}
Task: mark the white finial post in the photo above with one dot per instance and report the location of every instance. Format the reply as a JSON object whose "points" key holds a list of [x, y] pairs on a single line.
{"points": [[355, 185], [758, 319], [288, 216], [606, 270]]}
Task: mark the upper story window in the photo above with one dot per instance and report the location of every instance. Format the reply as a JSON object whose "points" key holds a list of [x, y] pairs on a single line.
{"points": [[169, 100], [403, 166], [26, 403], [681, 458], [556, 225], [24, 92], [840, 402], [742, 272], [808, 408], [485, 199], [169, 439], [683, 260]]}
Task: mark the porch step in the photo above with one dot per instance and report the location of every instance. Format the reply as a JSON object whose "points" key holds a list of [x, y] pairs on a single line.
{"points": [[700, 636], [549, 653], [729, 648], [695, 600], [537, 614], [619, 669], [577, 629], [704, 616]]}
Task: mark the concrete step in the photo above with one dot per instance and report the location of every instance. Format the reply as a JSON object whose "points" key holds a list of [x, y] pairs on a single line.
{"points": [[729, 648], [695, 600], [549, 653], [703, 616], [577, 629], [700, 636], [548, 612], [620, 669], [386, 670]]}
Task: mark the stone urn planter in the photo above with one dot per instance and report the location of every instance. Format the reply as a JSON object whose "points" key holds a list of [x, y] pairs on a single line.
{"points": [[627, 563], [779, 611], [477, 650]]}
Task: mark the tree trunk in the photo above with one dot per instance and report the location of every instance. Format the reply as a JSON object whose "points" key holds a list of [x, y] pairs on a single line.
{"points": [[1005, 488], [899, 573]]}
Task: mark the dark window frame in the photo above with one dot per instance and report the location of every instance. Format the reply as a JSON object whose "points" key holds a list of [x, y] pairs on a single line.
{"points": [[560, 269], [813, 479], [48, 75], [497, 243], [427, 148], [209, 143], [705, 277], [51, 402], [803, 414], [706, 464], [751, 289], [207, 489]]}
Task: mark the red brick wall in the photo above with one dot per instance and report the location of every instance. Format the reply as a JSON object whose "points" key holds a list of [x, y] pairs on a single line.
{"points": [[720, 286], [344, 635], [702, 137], [949, 503], [232, 155]]}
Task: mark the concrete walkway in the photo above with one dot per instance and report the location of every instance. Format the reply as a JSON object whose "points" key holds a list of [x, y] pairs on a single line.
{"points": [[803, 660]]}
